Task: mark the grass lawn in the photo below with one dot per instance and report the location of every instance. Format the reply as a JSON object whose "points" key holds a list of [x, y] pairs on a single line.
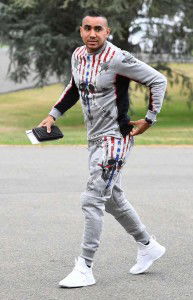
{"points": [[25, 109]]}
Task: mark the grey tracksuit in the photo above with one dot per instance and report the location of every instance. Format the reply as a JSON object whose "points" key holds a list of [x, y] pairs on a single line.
{"points": [[100, 80]]}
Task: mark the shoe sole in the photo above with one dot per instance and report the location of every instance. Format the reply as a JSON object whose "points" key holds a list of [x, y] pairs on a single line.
{"points": [[78, 286], [153, 260]]}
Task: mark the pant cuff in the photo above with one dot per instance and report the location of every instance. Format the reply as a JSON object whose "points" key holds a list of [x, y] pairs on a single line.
{"points": [[142, 237], [87, 254]]}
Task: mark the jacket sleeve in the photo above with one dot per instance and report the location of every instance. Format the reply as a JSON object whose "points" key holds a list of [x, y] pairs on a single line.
{"points": [[127, 65], [68, 98]]}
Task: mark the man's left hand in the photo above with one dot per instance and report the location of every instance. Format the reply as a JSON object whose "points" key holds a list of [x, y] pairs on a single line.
{"points": [[141, 126]]}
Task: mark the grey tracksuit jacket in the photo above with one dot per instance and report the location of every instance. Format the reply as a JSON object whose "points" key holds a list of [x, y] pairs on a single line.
{"points": [[100, 80]]}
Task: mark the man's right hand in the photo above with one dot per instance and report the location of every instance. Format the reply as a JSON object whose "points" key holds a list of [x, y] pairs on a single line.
{"points": [[47, 122]]}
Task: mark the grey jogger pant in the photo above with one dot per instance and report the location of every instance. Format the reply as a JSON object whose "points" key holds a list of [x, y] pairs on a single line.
{"points": [[104, 193]]}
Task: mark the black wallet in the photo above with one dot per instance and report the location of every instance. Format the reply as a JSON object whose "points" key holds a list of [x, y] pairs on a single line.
{"points": [[42, 135]]}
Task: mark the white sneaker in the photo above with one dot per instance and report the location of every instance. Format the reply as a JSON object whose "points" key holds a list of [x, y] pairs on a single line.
{"points": [[146, 255], [80, 276]]}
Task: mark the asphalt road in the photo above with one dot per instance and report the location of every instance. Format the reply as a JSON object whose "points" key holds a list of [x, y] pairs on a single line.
{"points": [[41, 224]]}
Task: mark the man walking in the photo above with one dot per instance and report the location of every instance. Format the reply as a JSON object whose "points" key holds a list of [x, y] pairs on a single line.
{"points": [[101, 73]]}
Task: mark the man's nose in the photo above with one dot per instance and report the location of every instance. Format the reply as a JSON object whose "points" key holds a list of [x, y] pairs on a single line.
{"points": [[92, 33]]}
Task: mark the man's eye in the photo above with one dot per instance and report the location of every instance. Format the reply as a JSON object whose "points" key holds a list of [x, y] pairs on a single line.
{"points": [[98, 28], [87, 28]]}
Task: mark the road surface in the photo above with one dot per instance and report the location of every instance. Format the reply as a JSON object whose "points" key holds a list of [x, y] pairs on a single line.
{"points": [[41, 224]]}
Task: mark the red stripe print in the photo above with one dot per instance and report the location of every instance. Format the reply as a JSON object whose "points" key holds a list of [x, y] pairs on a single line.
{"points": [[105, 58], [84, 64], [81, 59], [124, 143], [93, 62], [79, 51], [112, 146], [112, 55], [99, 61], [80, 65]]}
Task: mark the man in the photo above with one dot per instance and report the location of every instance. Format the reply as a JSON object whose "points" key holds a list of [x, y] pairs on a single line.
{"points": [[101, 73]]}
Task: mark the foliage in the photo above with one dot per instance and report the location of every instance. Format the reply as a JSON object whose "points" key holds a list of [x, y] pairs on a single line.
{"points": [[41, 34], [169, 27], [174, 26]]}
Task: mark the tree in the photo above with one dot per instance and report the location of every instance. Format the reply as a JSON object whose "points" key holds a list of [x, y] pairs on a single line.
{"points": [[174, 26], [173, 22], [41, 34]]}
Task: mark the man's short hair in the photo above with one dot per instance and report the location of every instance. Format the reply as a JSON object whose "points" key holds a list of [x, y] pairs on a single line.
{"points": [[94, 13]]}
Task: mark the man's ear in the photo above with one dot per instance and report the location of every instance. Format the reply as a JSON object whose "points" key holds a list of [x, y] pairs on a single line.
{"points": [[108, 31], [81, 31]]}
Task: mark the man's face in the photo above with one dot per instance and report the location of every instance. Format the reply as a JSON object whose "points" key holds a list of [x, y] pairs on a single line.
{"points": [[94, 32]]}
